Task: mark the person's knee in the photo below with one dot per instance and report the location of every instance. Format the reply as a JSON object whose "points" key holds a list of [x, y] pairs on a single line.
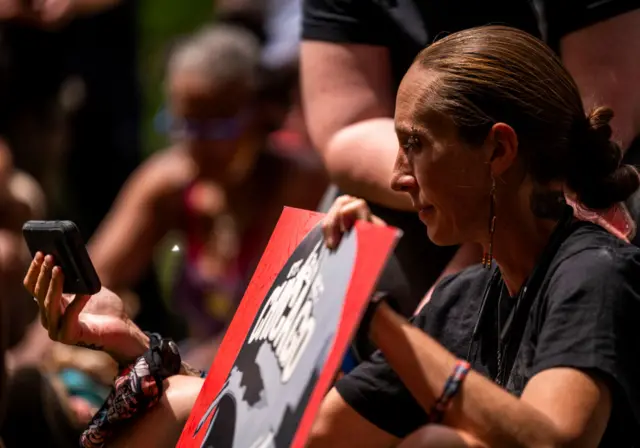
{"points": [[440, 437], [181, 394], [162, 425]]}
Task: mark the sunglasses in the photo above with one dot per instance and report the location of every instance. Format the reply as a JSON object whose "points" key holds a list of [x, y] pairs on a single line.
{"points": [[213, 129]]}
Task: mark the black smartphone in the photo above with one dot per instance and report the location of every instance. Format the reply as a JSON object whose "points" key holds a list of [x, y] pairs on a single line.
{"points": [[63, 241]]}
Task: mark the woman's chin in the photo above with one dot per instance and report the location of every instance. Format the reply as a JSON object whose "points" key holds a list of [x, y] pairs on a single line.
{"points": [[440, 237]]}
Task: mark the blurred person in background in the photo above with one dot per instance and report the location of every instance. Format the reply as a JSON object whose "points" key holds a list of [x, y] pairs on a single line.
{"points": [[277, 24], [599, 43], [67, 72], [21, 199], [353, 57], [218, 185], [50, 402], [54, 387], [70, 103]]}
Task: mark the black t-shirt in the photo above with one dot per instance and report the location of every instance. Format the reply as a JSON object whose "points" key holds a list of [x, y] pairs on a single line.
{"points": [[405, 27], [584, 315]]}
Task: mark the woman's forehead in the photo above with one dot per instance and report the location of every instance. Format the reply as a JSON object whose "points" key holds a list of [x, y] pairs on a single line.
{"points": [[412, 97]]}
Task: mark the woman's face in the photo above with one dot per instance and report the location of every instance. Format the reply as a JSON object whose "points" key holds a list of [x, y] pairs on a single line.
{"points": [[210, 118], [449, 182]]}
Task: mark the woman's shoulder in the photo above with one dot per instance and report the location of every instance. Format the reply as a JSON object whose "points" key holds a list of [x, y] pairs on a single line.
{"points": [[590, 246], [456, 291], [164, 173], [456, 299], [468, 281], [594, 263]]}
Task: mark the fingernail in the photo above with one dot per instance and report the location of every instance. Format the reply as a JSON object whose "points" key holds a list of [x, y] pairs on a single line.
{"points": [[329, 242], [38, 258], [48, 260]]}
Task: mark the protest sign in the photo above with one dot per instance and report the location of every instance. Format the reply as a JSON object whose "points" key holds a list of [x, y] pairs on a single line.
{"points": [[289, 335]]}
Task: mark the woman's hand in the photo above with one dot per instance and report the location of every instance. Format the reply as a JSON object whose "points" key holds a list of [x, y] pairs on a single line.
{"points": [[342, 216], [98, 322]]}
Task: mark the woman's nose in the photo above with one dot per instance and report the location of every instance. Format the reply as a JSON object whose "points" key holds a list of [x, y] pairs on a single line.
{"points": [[403, 182], [402, 179]]}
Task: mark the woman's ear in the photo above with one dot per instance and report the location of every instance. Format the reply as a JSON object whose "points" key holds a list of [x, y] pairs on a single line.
{"points": [[503, 142]]}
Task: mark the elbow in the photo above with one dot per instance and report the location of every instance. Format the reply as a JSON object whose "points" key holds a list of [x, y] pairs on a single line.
{"points": [[335, 144], [560, 439], [336, 163], [320, 434], [338, 155]]}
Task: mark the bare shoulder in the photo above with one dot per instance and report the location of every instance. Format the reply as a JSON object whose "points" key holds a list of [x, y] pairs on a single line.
{"points": [[162, 175], [25, 190]]}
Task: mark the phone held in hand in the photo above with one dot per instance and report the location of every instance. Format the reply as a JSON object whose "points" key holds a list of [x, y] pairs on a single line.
{"points": [[63, 241]]}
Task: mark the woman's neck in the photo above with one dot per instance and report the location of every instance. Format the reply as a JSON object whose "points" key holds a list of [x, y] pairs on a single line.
{"points": [[519, 239]]}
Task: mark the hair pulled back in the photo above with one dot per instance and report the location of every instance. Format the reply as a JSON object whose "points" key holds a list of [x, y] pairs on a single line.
{"points": [[493, 74]]}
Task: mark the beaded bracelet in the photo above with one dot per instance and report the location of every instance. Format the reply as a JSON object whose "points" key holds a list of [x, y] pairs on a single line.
{"points": [[451, 388]]}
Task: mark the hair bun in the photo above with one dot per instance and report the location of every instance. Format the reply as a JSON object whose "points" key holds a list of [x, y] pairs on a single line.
{"points": [[599, 120], [597, 176], [616, 187]]}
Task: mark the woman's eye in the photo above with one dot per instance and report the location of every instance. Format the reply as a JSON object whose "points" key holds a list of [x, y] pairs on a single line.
{"points": [[411, 144]]}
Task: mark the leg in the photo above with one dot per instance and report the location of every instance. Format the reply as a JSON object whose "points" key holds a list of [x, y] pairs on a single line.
{"points": [[162, 425], [440, 437]]}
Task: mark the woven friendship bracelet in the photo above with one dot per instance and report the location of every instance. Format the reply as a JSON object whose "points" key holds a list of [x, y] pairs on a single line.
{"points": [[451, 388], [137, 388]]}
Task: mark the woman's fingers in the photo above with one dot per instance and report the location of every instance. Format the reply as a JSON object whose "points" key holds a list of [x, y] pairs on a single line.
{"points": [[31, 278], [342, 216], [331, 223], [352, 211], [377, 221], [42, 287], [53, 302]]}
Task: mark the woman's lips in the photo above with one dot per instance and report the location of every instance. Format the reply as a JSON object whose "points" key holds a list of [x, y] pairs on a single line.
{"points": [[426, 211]]}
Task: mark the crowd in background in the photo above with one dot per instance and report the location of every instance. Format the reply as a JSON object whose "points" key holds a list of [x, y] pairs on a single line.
{"points": [[191, 220]]}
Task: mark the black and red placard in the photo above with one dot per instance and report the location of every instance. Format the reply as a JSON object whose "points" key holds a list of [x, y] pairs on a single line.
{"points": [[289, 335]]}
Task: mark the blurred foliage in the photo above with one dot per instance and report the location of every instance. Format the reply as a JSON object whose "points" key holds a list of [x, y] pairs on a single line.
{"points": [[161, 22]]}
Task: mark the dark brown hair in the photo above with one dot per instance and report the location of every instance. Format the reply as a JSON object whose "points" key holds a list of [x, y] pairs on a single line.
{"points": [[497, 74]]}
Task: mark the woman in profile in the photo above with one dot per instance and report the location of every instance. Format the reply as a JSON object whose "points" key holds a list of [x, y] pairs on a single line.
{"points": [[536, 347]]}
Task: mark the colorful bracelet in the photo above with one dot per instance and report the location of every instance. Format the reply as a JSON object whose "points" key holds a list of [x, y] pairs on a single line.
{"points": [[451, 388]]}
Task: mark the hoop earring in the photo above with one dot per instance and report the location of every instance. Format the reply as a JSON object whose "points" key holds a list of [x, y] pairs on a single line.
{"points": [[487, 257]]}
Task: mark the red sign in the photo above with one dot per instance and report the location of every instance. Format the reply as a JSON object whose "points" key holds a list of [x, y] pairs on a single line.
{"points": [[289, 335]]}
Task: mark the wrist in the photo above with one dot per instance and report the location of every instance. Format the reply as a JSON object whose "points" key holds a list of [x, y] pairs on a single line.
{"points": [[135, 344]]}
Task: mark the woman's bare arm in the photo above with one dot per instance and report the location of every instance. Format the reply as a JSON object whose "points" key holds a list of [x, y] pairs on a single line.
{"points": [[577, 414], [559, 407], [144, 211]]}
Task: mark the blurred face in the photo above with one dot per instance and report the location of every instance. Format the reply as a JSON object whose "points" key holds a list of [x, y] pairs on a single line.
{"points": [[210, 118], [449, 182]]}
